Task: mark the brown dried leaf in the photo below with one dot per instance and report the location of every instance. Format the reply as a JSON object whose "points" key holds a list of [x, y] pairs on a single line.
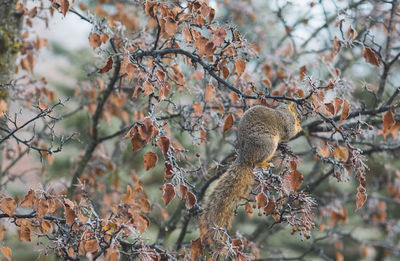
{"points": [[387, 122], [324, 151], [2, 230], [228, 122], [8, 206], [29, 199], [168, 193], [234, 97], [370, 56], [170, 26], [186, 32], [150, 160], [338, 104], [46, 226], [25, 234], [210, 93], [330, 108], [168, 171], [70, 215], [104, 38], [345, 110], [361, 198], [6, 252], [302, 72], [336, 46], [190, 200], [262, 200], [351, 33], [219, 36], [341, 153], [182, 191], [94, 40], [64, 6], [42, 208], [198, 109], [240, 66], [90, 246], [163, 143], [112, 254], [148, 88], [295, 179], [270, 207], [107, 65], [196, 249]]}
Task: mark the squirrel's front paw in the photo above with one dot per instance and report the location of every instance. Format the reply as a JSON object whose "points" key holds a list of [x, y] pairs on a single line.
{"points": [[265, 164]]}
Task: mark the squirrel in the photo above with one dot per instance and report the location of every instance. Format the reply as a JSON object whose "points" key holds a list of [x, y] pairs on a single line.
{"points": [[260, 130]]}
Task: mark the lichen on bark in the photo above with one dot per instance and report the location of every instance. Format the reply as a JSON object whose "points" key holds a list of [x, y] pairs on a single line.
{"points": [[10, 24]]}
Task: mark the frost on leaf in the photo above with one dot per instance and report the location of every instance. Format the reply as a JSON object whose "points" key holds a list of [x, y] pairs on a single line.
{"points": [[168, 193]]}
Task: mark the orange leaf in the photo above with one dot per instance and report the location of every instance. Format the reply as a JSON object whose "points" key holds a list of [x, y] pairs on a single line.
{"points": [[190, 200], [112, 254], [3, 107], [104, 37], [170, 26], [262, 200], [150, 160], [168, 193], [338, 104], [336, 46], [196, 249], [186, 32], [198, 109], [168, 171], [70, 215], [64, 6], [295, 179], [25, 234], [341, 153], [90, 246], [46, 226], [228, 122], [345, 111], [6, 252], [302, 72], [233, 97], [389, 125], [351, 33], [42, 208], [107, 65], [94, 40], [324, 151], [329, 107], [148, 88], [219, 36], [163, 143], [182, 189], [29, 199], [240, 66], [8, 206], [2, 230], [210, 93], [361, 198], [270, 207], [370, 56]]}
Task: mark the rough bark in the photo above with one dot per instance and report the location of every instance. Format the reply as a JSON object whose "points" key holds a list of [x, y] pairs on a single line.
{"points": [[10, 24]]}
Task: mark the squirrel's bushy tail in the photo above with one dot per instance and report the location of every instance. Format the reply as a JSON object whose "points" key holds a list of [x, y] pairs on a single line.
{"points": [[232, 186]]}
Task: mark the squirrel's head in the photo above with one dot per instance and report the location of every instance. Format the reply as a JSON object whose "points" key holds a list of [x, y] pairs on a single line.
{"points": [[292, 121]]}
